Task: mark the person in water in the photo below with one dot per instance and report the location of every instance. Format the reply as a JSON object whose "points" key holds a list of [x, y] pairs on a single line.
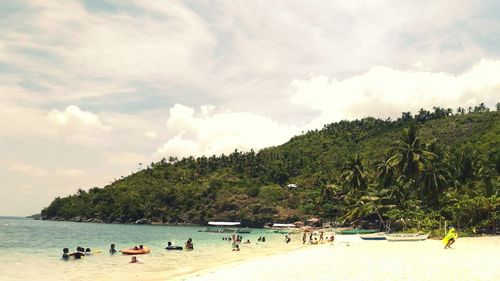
{"points": [[450, 238], [189, 244], [170, 246], [134, 259], [112, 249], [247, 242], [236, 248], [78, 254], [287, 239], [65, 255], [88, 252]]}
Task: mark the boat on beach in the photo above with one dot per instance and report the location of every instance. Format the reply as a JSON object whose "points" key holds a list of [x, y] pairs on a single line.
{"points": [[400, 237], [373, 236], [224, 227]]}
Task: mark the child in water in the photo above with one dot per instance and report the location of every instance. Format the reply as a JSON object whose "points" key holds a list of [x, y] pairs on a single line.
{"points": [[112, 249], [189, 244], [135, 260], [65, 255]]}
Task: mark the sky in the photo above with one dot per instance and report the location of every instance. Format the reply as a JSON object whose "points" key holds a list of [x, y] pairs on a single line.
{"points": [[90, 89]]}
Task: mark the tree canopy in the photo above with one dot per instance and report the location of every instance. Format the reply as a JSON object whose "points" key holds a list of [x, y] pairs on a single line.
{"points": [[432, 165]]}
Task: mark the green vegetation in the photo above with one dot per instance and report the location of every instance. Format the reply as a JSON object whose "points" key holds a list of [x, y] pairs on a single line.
{"points": [[412, 173]]}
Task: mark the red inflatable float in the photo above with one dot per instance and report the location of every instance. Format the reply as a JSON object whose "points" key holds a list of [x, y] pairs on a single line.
{"points": [[136, 251]]}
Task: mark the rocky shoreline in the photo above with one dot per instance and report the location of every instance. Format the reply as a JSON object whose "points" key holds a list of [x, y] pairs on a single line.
{"points": [[130, 221]]}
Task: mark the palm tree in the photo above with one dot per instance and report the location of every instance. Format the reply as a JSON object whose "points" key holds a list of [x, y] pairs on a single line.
{"points": [[371, 204], [331, 192], [433, 183], [354, 175], [385, 172], [410, 155]]}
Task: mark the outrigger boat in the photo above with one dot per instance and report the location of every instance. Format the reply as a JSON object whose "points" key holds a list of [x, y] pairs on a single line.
{"points": [[284, 228], [224, 227], [373, 236], [358, 231], [406, 237]]}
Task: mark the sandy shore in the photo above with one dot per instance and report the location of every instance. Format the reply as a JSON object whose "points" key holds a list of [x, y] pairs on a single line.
{"points": [[350, 258]]}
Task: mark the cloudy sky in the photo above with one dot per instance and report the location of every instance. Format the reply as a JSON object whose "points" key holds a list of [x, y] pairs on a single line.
{"points": [[89, 89]]}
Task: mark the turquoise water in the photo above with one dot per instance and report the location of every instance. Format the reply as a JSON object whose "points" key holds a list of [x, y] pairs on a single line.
{"points": [[32, 249]]}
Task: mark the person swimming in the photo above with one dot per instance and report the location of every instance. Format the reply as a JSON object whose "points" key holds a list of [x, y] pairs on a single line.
{"points": [[170, 246], [134, 259]]}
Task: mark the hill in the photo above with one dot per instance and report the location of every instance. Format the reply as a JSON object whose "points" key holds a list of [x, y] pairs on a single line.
{"points": [[425, 167]]}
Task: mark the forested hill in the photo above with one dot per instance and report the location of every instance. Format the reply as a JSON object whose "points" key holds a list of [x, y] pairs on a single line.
{"points": [[434, 164]]}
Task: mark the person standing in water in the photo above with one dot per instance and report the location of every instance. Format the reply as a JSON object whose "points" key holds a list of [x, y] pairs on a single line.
{"points": [[287, 239], [112, 249], [65, 255], [78, 254], [450, 238], [189, 244]]}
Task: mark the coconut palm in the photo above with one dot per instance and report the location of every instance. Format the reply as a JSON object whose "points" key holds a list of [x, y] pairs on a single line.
{"points": [[410, 155], [373, 203], [433, 182], [354, 175], [332, 192], [385, 172]]}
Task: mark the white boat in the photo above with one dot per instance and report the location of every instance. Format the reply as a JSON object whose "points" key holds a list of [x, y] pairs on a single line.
{"points": [[406, 237], [373, 236], [284, 228], [224, 227]]}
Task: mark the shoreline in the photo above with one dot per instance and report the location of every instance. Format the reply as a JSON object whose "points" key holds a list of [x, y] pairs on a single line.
{"points": [[255, 257], [471, 258]]}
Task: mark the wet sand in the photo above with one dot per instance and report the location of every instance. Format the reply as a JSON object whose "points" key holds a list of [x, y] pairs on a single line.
{"points": [[350, 258]]}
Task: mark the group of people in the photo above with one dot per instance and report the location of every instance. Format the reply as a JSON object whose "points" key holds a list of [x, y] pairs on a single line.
{"points": [[78, 254], [315, 240], [82, 252]]}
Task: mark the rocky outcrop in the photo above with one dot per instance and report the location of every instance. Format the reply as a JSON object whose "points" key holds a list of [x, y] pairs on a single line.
{"points": [[143, 221]]}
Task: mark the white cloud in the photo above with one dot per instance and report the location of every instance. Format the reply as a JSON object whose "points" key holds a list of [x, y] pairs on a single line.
{"points": [[386, 92], [236, 55], [151, 135], [215, 132], [73, 116]]}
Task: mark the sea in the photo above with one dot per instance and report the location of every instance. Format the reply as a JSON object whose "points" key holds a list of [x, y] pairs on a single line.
{"points": [[32, 249]]}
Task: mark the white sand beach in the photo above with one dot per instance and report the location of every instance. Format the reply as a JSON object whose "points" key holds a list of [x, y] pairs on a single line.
{"points": [[350, 258]]}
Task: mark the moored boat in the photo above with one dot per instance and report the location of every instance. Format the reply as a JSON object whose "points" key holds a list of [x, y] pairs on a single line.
{"points": [[284, 228], [224, 227], [358, 231]]}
